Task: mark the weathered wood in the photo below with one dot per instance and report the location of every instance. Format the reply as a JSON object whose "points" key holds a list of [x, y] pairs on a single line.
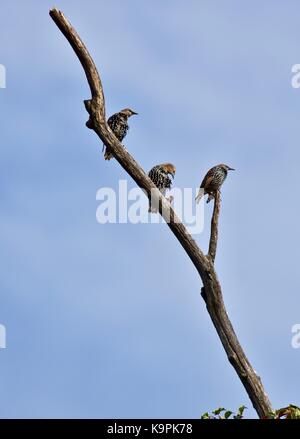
{"points": [[211, 290], [214, 229]]}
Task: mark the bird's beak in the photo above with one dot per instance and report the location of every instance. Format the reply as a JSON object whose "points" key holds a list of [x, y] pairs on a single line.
{"points": [[173, 174], [231, 169], [133, 112]]}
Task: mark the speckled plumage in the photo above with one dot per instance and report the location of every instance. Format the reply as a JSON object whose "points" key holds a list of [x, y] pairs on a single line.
{"points": [[159, 174], [160, 178], [118, 123], [213, 181]]}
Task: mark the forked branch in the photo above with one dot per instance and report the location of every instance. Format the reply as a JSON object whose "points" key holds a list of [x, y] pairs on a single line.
{"points": [[211, 290]]}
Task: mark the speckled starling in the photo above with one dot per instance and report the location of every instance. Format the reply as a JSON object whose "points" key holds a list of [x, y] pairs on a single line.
{"points": [[159, 174], [213, 181], [118, 123]]}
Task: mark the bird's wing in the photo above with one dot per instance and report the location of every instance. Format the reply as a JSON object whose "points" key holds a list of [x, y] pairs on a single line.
{"points": [[112, 121], [206, 181]]}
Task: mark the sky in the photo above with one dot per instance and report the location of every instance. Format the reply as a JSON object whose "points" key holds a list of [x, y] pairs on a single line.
{"points": [[106, 320]]}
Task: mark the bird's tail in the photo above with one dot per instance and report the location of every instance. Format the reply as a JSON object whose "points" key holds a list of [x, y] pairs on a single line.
{"points": [[199, 196], [210, 197], [107, 154]]}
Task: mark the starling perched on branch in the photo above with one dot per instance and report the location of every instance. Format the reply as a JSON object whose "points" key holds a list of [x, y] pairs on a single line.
{"points": [[118, 123], [159, 174], [213, 181]]}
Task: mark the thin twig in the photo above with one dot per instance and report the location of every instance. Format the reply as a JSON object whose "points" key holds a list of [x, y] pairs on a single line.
{"points": [[211, 287], [213, 242]]}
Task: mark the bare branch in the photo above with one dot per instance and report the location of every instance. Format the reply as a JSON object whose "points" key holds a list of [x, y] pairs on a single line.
{"points": [[211, 290], [82, 53], [213, 242]]}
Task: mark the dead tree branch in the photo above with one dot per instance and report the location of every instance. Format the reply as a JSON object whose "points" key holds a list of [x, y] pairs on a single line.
{"points": [[211, 290], [214, 230]]}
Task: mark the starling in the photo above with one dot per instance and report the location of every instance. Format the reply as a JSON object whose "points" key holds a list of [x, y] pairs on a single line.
{"points": [[159, 174], [213, 181], [118, 123]]}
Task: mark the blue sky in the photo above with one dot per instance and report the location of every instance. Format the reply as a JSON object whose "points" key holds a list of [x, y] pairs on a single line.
{"points": [[107, 320]]}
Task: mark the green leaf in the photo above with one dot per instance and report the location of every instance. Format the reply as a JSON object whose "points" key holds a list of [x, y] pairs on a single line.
{"points": [[241, 409], [205, 416], [227, 414], [271, 415], [295, 411], [219, 410]]}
